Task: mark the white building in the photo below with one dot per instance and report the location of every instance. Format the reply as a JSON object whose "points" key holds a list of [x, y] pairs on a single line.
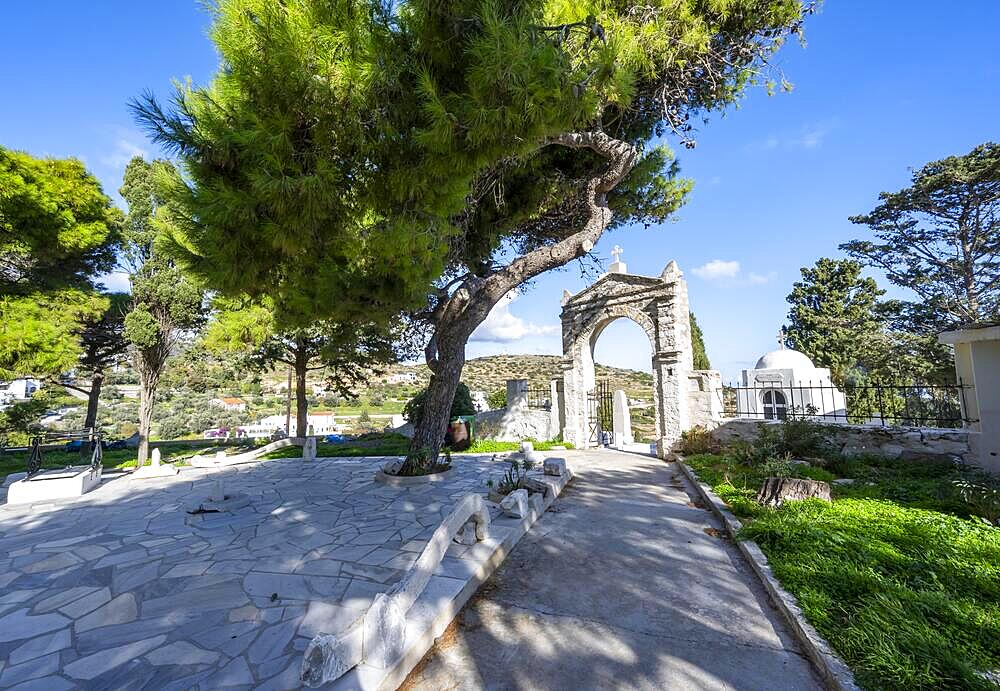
{"points": [[479, 401], [401, 378], [785, 381], [319, 424], [229, 403], [18, 390]]}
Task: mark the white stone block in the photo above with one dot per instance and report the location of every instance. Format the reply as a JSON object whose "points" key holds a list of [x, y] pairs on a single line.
{"points": [[309, 449], [157, 470], [54, 484], [384, 632], [14, 477], [515, 504], [554, 466], [535, 457], [526, 447]]}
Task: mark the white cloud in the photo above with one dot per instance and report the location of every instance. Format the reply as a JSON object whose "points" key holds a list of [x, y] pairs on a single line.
{"points": [[717, 269], [758, 279], [810, 136], [122, 151], [116, 282], [501, 326], [730, 271]]}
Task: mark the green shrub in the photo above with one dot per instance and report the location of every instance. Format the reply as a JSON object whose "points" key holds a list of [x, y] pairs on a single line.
{"points": [[813, 473], [697, 440], [461, 405], [804, 438], [497, 399]]}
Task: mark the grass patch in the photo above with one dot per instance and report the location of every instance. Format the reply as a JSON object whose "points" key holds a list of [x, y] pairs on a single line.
{"points": [[910, 598], [117, 458], [375, 444], [893, 572], [494, 446]]}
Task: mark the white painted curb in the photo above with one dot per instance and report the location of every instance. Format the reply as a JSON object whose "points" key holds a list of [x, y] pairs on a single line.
{"points": [[831, 668]]}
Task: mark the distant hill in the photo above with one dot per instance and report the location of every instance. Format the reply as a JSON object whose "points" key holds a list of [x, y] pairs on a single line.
{"points": [[492, 372]]}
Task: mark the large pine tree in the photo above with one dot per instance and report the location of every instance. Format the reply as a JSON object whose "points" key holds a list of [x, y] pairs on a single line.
{"points": [[58, 232], [348, 154]]}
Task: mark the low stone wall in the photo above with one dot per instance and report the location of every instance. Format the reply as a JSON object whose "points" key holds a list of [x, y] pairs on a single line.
{"points": [[908, 443], [508, 424], [515, 424]]}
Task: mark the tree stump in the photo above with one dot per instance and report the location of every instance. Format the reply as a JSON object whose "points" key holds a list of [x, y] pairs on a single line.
{"points": [[777, 490]]}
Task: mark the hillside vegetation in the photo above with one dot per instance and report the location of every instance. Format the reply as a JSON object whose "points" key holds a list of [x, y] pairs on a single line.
{"points": [[492, 372]]}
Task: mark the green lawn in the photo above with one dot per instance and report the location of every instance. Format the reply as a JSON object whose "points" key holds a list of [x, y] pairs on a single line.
{"points": [[375, 444], [894, 572], [493, 446], [378, 444], [119, 458]]}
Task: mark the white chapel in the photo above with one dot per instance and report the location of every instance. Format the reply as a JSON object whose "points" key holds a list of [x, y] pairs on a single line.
{"points": [[786, 381]]}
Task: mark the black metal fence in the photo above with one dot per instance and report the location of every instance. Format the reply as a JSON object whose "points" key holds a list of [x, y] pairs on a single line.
{"points": [[539, 397], [874, 403], [88, 441]]}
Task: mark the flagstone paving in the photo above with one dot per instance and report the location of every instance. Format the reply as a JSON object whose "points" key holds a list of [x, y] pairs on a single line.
{"points": [[124, 588]]}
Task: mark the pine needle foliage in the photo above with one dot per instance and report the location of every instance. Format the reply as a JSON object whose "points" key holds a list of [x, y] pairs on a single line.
{"points": [[330, 163]]}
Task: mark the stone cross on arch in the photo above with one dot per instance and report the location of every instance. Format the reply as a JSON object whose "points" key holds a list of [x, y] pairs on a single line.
{"points": [[781, 338], [616, 253]]}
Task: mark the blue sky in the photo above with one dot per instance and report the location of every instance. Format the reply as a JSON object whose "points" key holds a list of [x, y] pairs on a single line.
{"points": [[881, 87]]}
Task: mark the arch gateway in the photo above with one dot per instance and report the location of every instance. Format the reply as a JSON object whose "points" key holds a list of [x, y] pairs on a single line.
{"points": [[660, 306]]}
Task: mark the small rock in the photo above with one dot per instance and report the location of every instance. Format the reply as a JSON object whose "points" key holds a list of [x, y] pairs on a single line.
{"points": [[844, 481], [515, 504], [554, 466], [392, 467], [799, 463], [527, 446], [467, 534]]}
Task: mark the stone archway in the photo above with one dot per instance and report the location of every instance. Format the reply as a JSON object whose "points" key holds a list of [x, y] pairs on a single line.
{"points": [[658, 305]]}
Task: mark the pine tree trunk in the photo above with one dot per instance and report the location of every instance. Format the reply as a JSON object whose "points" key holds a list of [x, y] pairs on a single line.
{"points": [[301, 404], [96, 382], [428, 434], [90, 419], [148, 382], [459, 313]]}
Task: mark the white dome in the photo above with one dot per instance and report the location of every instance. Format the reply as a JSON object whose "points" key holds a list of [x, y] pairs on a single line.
{"points": [[785, 359]]}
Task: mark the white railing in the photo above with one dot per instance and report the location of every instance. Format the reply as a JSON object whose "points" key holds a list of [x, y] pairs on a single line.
{"points": [[308, 445]]}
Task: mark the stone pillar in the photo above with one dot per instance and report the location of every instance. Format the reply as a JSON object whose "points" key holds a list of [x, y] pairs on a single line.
{"points": [[556, 417], [575, 399], [517, 394], [672, 361], [622, 420]]}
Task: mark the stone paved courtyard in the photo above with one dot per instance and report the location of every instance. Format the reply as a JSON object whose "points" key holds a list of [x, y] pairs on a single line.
{"points": [[124, 588]]}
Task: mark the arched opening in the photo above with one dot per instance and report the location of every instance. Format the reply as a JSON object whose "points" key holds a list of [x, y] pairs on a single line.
{"points": [[774, 404], [621, 357]]}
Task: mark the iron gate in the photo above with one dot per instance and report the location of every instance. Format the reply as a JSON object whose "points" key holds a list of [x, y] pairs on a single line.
{"points": [[600, 415]]}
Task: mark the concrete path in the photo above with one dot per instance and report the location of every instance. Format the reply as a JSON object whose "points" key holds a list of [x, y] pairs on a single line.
{"points": [[625, 584]]}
